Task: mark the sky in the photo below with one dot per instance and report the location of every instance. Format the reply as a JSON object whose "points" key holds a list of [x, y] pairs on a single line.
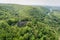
{"points": [[33, 2]]}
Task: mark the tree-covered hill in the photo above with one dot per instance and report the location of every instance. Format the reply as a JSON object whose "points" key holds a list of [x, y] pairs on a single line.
{"points": [[22, 22]]}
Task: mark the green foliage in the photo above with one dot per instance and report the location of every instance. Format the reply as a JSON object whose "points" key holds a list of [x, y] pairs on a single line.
{"points": [[39, 26]]}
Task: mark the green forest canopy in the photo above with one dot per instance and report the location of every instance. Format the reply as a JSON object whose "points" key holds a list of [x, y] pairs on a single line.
{"points": [[20, 22]]}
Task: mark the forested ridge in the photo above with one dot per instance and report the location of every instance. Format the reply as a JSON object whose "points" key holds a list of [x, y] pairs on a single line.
{"points": [[22, 22]]}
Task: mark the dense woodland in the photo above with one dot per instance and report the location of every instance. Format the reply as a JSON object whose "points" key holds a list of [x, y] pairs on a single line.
{"points": [[20, 22]]}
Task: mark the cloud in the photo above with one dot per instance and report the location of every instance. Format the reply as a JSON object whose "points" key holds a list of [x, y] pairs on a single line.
{"points": [[33, 2]]}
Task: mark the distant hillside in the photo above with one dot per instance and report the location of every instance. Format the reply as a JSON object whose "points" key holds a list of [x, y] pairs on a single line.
{"points": [[53, 7]]}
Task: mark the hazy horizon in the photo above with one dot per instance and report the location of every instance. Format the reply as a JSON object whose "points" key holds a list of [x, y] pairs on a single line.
{"points": [[33, 2]]}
